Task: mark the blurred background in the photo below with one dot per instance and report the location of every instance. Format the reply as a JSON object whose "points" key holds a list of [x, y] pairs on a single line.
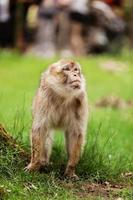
{"points": [[34, 34], [66, 27]]}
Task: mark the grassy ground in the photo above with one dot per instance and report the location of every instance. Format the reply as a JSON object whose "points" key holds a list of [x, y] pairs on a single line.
{"points": [[109, 148]]}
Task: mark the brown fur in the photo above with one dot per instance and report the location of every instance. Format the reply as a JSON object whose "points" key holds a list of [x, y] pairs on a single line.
{"points": [[60, 102]]}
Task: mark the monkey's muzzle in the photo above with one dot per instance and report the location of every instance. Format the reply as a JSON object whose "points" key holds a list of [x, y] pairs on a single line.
{"points": [[76, 84]]}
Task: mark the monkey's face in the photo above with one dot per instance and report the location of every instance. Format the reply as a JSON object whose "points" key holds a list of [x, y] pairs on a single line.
{"points": [[71, 75], [66, 76]]}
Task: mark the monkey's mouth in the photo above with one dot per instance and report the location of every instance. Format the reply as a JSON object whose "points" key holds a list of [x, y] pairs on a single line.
{"points": [[76, 84]]}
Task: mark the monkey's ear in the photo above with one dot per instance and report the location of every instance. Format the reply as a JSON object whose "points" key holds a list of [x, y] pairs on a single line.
{"points": [[54, 69]]}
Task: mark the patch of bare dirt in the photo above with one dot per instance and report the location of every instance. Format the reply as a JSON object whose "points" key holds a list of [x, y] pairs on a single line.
{"points": [[105, 190], [113, 66], [115, 102], [86, 190], [130, 103]]}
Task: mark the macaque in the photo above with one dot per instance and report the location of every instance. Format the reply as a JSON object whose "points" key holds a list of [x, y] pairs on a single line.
{"points": [[60, 102]]}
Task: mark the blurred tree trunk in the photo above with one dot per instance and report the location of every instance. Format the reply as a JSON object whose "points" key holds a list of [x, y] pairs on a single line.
{"points": [[20, 41], [131, 22]]}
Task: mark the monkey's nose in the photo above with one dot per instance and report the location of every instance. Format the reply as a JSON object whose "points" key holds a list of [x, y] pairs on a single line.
{"points": [[75, 75]]}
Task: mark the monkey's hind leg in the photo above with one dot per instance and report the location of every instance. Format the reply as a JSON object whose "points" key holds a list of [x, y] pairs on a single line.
{"points": [[74, 144], [41, 140]]}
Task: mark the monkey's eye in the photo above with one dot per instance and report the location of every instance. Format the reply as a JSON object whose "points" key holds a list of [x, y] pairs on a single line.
{"points": [[76, 69], [66, 68]]}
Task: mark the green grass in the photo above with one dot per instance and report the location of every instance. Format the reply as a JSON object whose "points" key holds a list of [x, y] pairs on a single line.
{"points": [[109, 147]]}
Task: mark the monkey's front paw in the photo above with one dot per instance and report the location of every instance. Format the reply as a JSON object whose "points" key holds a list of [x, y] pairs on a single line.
{"points": [[70, 174], [72, 177], [32, 167]]}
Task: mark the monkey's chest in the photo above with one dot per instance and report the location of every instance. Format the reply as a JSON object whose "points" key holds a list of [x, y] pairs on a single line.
{"points": [[60, 118]]}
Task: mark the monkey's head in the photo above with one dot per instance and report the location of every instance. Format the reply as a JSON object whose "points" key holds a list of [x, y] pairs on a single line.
{"points": [[65, 78]]}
